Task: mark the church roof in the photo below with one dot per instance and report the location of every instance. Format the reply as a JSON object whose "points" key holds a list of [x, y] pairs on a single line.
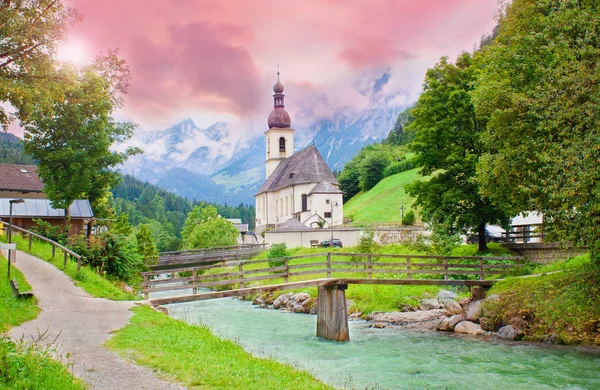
{"points": [[325, 188], [304, 167]]}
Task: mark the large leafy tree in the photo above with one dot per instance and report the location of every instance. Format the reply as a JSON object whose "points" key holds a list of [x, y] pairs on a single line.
{"points": [[29, 33], [448, 146], [205, 229], [540, 88]]}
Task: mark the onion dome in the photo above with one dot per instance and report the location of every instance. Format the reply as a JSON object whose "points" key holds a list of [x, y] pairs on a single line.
{"points": [[279, 118], [278, 87]]}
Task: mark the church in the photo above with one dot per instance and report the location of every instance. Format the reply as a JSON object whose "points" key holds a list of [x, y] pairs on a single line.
{"points": [[300, 191]]}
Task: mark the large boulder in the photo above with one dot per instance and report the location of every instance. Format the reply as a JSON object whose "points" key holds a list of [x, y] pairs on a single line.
{"points": [[300, 303], [509, 332], [429, 304], [518, 323], [452, 307], [444, 325], [468, 327], [488, 323], [446, 294], [281, 301], [473, 311], [258, 300]]}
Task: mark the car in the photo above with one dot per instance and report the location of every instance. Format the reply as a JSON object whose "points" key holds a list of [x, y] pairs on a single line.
{"points": [[474, 238], [336, 243]]}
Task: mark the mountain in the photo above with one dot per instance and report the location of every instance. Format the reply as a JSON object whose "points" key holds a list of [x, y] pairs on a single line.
{"points": [[215, 165], [11, 150]]}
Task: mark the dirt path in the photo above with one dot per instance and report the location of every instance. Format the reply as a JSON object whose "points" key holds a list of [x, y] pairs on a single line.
{"points": [[84, 324]]}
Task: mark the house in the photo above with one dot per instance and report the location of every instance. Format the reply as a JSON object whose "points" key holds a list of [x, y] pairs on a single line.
{"points": [[23, 182], [298, 185]]}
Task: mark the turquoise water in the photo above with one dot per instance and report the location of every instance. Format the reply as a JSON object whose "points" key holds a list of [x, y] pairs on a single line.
{"points": [[395, 358]]}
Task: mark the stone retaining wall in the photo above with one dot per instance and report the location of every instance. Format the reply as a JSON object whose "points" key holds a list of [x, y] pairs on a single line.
{"points": [[545, 253]]}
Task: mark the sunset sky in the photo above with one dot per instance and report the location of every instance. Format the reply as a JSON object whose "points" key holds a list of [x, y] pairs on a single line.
{"points": [[216, 60]]}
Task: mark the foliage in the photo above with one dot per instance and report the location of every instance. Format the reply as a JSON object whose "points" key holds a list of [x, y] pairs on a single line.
{"points": [[145, 245], [56, 233], [538, 84], [74, 145], [448, 146], [398, 167], [409, 218], [201, 359], [121, 226], [30, 365], [204, 229], [11, 150], [371, 170], [401, 134], [277, 251], [367, 243], [31, 30], [442, 242], [349, 180], [563, 305], [14, 311]]}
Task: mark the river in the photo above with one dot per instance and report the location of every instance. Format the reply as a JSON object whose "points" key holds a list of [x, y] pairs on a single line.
{"points": [[395, 358]]}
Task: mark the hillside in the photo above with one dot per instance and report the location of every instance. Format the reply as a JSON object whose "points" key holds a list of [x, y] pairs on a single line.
{"points": [[382, 202]]}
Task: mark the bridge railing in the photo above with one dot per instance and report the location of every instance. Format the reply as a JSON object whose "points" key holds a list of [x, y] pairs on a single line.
{"points": [[194, 256], [523, 234], [239, 274]]}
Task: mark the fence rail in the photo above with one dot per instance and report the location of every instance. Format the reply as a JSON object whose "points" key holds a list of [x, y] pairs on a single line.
{"points": [[524, 234], [66, 251], [411, 269], [207, 255]]}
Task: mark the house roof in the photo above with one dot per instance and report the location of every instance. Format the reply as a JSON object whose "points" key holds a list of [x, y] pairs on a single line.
{"points": [[23, 178], [303, 167], [41, 208], [325, 188], [291, 225]]}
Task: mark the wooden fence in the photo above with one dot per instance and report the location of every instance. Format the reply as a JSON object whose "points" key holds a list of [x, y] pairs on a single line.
{"points": [[523, 234], [206, 255], [66, 251], [404, 269]]}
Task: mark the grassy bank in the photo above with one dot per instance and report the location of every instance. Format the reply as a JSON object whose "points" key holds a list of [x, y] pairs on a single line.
{"points": [[561, 306], [198, 359], [24, 365], [94, 284]]}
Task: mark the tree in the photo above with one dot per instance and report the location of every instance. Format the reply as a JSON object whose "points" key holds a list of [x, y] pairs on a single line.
{"points": [[214, 232], [371, 170], [145, 244], [401, 134], [447, 146], [349, 180], [539, 86], [199, 214], [73, 146], [29, 33]]}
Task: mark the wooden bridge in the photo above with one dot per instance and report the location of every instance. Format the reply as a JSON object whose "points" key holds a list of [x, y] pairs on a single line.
{"points": [[187, 258], [331, 272]]}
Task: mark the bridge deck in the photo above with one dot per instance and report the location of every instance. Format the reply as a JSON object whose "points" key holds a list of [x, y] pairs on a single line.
{"points": [[316, 283]]}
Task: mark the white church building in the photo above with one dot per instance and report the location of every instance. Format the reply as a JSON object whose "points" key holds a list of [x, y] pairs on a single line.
{"points": [[299, 187]]}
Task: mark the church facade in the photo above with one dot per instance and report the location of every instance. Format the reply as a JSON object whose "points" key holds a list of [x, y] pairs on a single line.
{"points": [[299, 186]]}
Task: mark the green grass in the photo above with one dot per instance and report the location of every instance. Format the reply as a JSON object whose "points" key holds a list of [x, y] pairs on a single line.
{"points": [[14, 311], [564, 303], [198, 359], [94, 284], [382, 202]]}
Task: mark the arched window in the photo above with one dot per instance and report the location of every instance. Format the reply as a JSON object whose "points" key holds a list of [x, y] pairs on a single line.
{"points": [[304, 202], [282, 144]]}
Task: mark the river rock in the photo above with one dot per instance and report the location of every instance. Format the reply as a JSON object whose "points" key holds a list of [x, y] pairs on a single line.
{"points": [[378, 325], [488, 323], [452, 307], [408, 308], [405, 318], [464, 302], [508, 332], [446, 294], [281, 301], [258, 301], [454, 320], [468, 327], [477, 293], [473, 311], [301, 303], [354, 316], [429, 304], [518, 323], [444, 325]]}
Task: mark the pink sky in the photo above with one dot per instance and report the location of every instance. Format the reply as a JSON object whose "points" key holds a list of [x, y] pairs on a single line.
{"points": [[216, 60]]}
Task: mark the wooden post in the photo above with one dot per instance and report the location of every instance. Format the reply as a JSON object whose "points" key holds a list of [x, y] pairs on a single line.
{"points": [[146, 280], [370, 266], [194, 289], [78, 264], [65, 260], [328, 264], [30, 242], [53, 251], [445, 268], [286, 276], [241, 268], [481, 273], [332, 320], [408, 271]]}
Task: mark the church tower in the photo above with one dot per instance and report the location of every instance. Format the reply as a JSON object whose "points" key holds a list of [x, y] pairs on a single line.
{"points": [[280, 136]]}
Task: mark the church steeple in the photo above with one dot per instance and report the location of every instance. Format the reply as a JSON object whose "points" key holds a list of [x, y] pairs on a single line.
{"points": [[279, 117], [280, 136]]}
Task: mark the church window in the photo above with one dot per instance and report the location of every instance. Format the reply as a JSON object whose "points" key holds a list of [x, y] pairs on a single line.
{"points": [[286, 206], [282, 144], [327, 214], [326, 201], [268, 148], [304, 202]]}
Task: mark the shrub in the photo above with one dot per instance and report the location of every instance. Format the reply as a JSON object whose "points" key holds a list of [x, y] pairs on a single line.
{"points": [[409, 218], [398, 167], [56, 233], [277, 251]]}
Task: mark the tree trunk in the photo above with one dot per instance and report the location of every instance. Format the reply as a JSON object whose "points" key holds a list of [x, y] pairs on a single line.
{"points": [[482, 237]]}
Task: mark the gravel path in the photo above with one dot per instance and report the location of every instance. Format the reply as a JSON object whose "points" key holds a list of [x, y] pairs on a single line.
{"points": [[82, 324]]}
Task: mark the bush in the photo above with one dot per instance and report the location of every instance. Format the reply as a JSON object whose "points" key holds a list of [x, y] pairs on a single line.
{"points": [[398, 167], [275, 252], [409, 218], [56, 233]]}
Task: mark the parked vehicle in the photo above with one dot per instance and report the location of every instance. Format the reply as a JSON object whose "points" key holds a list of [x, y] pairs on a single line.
{"points": [[336, 243], [489, 237]]}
